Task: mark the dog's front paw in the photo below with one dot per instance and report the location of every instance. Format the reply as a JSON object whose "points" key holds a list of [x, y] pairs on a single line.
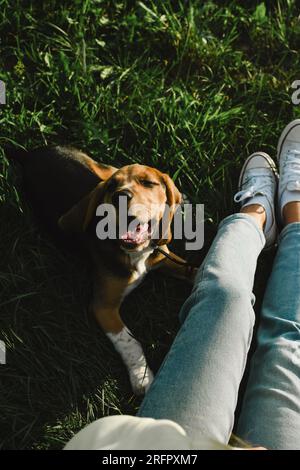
{"points": [[141, 377], [132, 354]]}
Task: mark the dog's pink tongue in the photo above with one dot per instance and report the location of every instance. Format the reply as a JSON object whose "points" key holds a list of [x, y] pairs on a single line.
{"points": [[136, 235]]}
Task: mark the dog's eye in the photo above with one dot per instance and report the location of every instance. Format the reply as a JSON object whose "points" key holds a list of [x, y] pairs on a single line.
{"points": [[148, 183]]}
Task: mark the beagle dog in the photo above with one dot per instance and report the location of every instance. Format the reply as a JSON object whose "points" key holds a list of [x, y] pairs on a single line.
{"points": [[66, 188]]}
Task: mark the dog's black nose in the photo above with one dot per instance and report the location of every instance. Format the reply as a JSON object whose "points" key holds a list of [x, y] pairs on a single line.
{"points": [[124, 193]]}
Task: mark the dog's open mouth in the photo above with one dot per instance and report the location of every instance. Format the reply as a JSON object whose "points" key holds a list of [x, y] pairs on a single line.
{"points": [[138, 235]]}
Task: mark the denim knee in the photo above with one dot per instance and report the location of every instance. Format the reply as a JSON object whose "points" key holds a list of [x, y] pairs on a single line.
{"points": [[226, 298]]}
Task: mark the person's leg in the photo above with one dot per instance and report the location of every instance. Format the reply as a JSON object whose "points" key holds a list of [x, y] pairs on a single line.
{"points": [[271, 408], [197, 386]]}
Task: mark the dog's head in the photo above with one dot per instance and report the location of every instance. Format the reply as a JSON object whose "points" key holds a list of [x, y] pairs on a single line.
{"points": [[147, 196]]}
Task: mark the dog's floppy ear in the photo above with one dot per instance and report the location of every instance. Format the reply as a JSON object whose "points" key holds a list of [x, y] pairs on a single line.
{"points": [[174, 198], [77, 219], [100, 169], [173, 194]]}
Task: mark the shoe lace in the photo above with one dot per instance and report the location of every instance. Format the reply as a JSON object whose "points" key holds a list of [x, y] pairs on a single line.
{"points": [[290, 171], [254, 184]]}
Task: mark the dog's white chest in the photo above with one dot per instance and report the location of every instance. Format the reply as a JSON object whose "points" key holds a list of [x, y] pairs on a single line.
{"points": [[138, 261]]}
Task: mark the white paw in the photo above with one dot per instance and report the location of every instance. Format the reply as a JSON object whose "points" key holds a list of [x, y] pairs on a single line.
{"points": [[140, 378], [132, 354]]}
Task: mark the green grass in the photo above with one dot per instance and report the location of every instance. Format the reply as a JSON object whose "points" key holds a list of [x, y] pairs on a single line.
{"points": [[189, 87]]}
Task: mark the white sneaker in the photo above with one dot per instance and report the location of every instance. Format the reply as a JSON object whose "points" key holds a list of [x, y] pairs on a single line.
{"points": [[288, 156], [258, 185]]}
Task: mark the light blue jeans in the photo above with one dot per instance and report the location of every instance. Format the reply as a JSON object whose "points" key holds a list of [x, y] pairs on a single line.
{"points": [[197, 385]]}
